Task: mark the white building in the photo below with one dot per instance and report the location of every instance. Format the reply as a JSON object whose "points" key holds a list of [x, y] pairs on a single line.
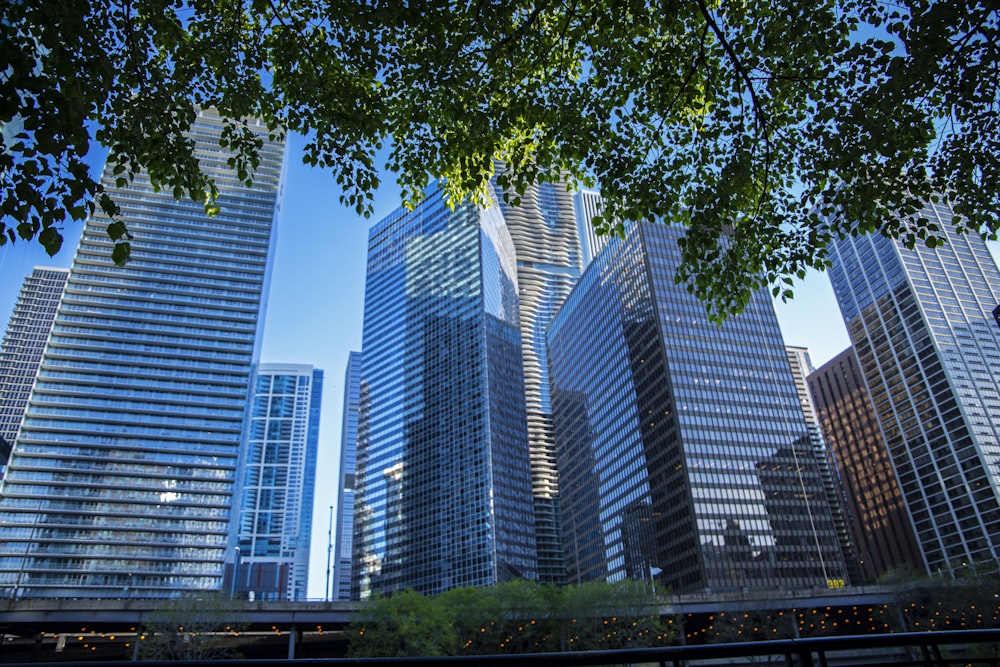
{"points": [[121, 481], [278, 484]]}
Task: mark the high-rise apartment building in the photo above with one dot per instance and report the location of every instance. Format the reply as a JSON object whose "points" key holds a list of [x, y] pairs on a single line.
{"points": [[880, 526], [271, 552], [928, 348], [683, 451], [588, 205], [23, 344], [342, 575], [122, 478], [801, 365], [443, 479], [543, 228]]}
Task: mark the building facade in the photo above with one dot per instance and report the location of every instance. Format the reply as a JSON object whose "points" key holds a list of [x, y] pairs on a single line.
{"points": [[122, 478], [443, 477], [270, 557], [543, 227], [880, 526], [683, 451], [801, 365], [926, 342], [23, 344], [588, 205], [342, 575]]}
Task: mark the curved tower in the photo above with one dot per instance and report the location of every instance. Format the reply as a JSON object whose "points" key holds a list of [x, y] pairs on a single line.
{"points": [[543, 228]]}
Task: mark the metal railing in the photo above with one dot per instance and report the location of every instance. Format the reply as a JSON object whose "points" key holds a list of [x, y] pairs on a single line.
{"points": [[958, 648]]}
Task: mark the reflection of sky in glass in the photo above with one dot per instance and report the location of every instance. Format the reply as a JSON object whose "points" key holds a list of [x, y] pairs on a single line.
{"points": [[925, 340], [443, 485], [699, 425]]}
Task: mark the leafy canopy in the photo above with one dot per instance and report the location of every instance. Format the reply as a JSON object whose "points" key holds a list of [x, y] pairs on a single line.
{"points": [[766, 126], [517, 616]]}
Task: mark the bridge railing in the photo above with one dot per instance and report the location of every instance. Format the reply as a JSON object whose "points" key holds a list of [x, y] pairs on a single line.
{"points": [[965, 648]]}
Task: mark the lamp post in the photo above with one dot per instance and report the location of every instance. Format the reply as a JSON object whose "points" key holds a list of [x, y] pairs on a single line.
{"points": [[329, 551], [236, 571]]}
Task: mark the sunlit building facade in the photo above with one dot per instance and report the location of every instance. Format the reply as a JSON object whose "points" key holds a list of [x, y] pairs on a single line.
{"points": [[588, 204], [270, 557], [122, 478], [920, 320], [348, 461], [880, 526], [443, 478], [682, 447], [23, 344]]}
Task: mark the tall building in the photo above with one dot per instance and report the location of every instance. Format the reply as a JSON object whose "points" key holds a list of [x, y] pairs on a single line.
{"points": [[23, 344], [928, 348], [342, 575], [122, 478], [271, 555], [443, 479], [544, 231], [683, 451], [880, 526], [588, 205], [801, 365]]}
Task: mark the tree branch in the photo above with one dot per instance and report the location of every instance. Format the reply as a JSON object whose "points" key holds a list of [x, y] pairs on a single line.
{"points": [[758, 108]]}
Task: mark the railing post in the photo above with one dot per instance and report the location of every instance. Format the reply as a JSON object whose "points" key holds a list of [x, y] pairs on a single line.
{"points": [[135, 643], [805, 657]]}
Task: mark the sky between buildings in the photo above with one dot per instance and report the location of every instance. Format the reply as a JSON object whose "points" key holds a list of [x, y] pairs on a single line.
{"points": [[314, 310]]}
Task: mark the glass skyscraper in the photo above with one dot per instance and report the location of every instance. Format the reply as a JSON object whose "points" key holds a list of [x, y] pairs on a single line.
{"points": [[801, 365], [271, 555], [348, 457], [122, 478], [880, 525], [443, 479], [546, 241], [683, 451], [23, 344], [922, 328]]}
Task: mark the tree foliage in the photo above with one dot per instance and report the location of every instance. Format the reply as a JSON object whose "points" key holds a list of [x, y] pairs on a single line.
{"points": [[201, 627], [515, 617], [768, 127]]}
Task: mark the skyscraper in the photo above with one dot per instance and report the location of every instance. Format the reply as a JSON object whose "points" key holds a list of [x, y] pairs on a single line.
{"points": [[877, 518], [544, 231], [23, 344], [123, 474], [443, 479], [278, 485], [587, 205], [683, 450], [348, 457], [801, 365], [927, 346]]}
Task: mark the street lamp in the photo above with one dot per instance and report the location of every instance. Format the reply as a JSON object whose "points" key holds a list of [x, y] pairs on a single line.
{"points": [[329, 550]]}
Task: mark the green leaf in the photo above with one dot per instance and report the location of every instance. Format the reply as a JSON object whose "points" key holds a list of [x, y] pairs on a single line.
{"points": [[116, 231], [51, 240], [121, 253]]}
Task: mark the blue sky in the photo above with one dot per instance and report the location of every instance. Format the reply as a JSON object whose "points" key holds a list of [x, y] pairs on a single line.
{"points": [[314, 311]]}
